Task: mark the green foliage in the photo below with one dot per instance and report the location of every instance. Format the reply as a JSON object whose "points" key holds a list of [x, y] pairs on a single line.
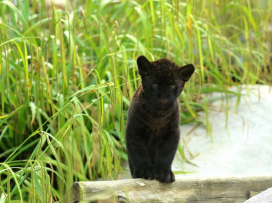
{"points": [[67, 78]]}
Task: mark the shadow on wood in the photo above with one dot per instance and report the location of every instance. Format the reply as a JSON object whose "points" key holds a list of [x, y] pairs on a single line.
{"points": [[186, 189]]}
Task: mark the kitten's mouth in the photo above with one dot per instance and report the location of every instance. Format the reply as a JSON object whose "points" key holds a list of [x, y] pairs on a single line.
{"points": [[163, 108]]}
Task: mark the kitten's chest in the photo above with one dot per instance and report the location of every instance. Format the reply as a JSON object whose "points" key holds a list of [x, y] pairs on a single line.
{"points": [[156, 133], [156, 125], [156, 129]]}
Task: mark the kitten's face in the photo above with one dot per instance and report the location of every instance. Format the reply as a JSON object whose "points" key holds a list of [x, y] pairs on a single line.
{"points": [[163, 81]]}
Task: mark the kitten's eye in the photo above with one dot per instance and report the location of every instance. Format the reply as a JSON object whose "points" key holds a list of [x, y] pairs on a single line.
{"points": [[154, 85], [173, 86]]}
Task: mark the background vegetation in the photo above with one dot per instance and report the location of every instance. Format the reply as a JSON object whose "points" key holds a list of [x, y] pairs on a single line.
{"points": [[67, 77]]}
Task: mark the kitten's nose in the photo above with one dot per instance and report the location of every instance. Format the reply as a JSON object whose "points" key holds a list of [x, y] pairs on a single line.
{"points": [[163, 101]]}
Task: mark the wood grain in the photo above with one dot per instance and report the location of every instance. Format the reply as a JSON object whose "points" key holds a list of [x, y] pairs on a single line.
{"points": [[186, 189]]}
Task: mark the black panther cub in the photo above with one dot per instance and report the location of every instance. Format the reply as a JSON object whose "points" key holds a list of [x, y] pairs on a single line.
{"points": [[152, 131]]}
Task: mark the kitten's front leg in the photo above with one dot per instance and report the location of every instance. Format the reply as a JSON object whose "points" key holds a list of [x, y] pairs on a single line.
{"points": [[139, 158], [164, 159]]}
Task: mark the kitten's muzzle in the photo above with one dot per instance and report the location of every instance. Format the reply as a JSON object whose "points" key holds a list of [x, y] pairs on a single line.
{"points": [[163, 101]]}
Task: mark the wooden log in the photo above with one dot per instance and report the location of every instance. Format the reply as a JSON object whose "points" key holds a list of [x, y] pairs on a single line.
{"points": [[185, 189]]}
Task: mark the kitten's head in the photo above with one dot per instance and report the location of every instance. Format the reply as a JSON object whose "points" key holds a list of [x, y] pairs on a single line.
{"points": [[163, 80]]}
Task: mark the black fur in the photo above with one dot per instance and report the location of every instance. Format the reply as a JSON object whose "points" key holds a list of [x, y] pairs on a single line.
{"points": [[152, 131]]}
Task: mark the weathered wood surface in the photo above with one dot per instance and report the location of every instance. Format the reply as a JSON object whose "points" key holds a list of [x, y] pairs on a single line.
{"points": [[185, 189]]}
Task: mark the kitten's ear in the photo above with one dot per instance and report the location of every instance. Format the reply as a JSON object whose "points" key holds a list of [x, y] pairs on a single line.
{"points": [[143, 65], [185, 72]]}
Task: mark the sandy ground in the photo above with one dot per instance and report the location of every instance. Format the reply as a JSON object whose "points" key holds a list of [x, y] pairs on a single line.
{"points": [[244, 147], [240, 146]]}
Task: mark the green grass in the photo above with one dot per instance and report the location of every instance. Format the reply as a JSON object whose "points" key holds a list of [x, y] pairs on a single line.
{"points": [[66, 79]]}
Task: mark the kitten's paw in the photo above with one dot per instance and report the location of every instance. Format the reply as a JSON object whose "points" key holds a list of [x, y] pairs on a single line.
{"points": [[146, 173], [165, 176]]}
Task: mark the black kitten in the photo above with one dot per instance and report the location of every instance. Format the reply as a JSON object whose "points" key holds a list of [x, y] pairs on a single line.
{"points": [[152, 131]]}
